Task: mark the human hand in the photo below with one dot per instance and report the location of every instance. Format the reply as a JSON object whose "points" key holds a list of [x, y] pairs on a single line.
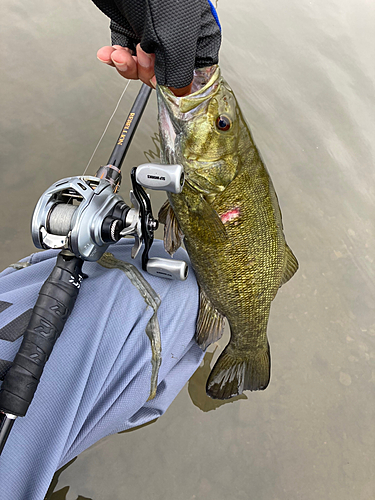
{"points": [[176, 38], [135, 67]]}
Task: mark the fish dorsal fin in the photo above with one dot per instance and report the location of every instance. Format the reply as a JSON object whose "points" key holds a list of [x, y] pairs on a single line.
{"points": [[290, 265], [173, 235], [210, 324]]}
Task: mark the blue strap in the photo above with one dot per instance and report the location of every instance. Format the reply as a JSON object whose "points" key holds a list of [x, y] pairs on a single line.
{"points": [[214, 13]]}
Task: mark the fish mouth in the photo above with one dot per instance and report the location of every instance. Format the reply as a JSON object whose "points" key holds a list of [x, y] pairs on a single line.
{"points": [[175, 111], [205, 85]]}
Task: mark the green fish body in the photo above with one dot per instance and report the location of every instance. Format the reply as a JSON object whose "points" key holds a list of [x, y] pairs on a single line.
{"points": [[229, 217]]}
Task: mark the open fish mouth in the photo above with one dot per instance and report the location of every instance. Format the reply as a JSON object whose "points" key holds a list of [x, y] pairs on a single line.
{"points": [[205, 85], [175, 111]]}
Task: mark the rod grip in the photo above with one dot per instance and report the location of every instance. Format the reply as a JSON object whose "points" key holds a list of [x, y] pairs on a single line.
{"points": [[54, 304]]}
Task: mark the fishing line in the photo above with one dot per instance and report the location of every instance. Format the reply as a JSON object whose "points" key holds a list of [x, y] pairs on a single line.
{"points": [[106, 127]]}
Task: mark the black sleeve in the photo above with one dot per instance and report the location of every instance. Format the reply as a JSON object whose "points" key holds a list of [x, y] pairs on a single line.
{"points": [[123, 36], [182, 34]]}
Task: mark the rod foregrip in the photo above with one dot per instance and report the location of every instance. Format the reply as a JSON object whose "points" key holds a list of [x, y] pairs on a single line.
{"points": [[123, 142], [54, 304]]}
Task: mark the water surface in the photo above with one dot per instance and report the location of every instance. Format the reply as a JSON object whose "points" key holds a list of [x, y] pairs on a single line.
{"points": [[304, 75]]}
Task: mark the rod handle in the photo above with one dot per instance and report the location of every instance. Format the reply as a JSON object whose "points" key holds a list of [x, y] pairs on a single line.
{"points": [[54, 304]]}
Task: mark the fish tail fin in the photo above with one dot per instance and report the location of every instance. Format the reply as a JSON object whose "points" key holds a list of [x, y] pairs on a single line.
{"points": [[234, 373]]}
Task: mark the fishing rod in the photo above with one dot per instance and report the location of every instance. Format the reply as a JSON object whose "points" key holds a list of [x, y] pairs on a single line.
{"points": [[82, 216]]}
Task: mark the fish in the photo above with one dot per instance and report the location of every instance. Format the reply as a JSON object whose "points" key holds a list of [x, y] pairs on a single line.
{"points": [[229, 219]]}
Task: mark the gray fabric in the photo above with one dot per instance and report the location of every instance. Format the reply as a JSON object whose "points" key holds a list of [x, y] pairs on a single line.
{"points": [[97, 380], [183, 35]]}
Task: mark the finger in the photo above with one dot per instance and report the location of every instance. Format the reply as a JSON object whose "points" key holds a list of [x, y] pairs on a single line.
{"points": [[146, 63], [121, 47], [182, 92], [125, 63], [104, 55]]}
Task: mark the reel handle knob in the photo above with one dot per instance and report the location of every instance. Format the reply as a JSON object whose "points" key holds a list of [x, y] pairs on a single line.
{"points": [[167, 268], [161, 177]]}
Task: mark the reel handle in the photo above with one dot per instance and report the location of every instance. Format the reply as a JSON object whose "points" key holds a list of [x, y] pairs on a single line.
{"points": [[165, 268], [161, 177]]}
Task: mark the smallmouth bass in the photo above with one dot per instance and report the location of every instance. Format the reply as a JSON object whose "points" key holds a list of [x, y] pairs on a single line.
{"points": [[229, 217]]}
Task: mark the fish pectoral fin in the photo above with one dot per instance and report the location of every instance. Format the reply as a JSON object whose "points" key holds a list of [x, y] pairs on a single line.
{"points": [[163, 212], [210, 222], [290, 265], [173, 235], [210, 323], [235, 372]]}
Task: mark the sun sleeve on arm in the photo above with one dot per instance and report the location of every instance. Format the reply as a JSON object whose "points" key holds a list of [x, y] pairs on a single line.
{"points": [[123, 36]]}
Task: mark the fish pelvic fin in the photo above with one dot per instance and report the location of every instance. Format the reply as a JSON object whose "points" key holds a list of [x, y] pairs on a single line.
{"points": [[173, 235], [290, 265], [234, 373], [210, 323]]}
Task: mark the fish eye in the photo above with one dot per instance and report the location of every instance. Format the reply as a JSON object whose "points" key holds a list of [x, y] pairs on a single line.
{"points": [[223, 123]]}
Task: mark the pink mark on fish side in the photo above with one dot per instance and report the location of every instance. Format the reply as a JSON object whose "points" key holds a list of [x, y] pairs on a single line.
{"points": [[231, 214]]}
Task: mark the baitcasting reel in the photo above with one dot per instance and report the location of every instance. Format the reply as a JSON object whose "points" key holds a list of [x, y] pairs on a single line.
{"points": [[85, 215]]}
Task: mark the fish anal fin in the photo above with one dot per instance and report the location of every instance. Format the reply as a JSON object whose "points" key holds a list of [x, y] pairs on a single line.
{"points": [[210, 323], [235, 372], [173, 235], [290, 265]]}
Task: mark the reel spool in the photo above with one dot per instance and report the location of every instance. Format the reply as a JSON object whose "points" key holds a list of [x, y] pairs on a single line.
{"points": [[71, 214]]}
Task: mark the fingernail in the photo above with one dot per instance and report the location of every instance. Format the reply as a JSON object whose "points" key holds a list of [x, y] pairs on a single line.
{"points": [[120, 66], [153, 81]]}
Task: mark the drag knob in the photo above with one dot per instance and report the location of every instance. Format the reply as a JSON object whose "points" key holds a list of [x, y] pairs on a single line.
{"points": [[111, 229]]}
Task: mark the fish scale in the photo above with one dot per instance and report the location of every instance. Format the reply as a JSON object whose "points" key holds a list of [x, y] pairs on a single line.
{"points": [[229, 216]]}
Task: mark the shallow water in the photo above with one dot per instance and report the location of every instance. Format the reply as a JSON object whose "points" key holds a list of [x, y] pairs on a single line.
{"points": [[304, 75]]}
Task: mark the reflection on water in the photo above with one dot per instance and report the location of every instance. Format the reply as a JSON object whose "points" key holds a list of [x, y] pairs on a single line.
{"points": [[197, 387], [59, 494], [153, 154]]}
